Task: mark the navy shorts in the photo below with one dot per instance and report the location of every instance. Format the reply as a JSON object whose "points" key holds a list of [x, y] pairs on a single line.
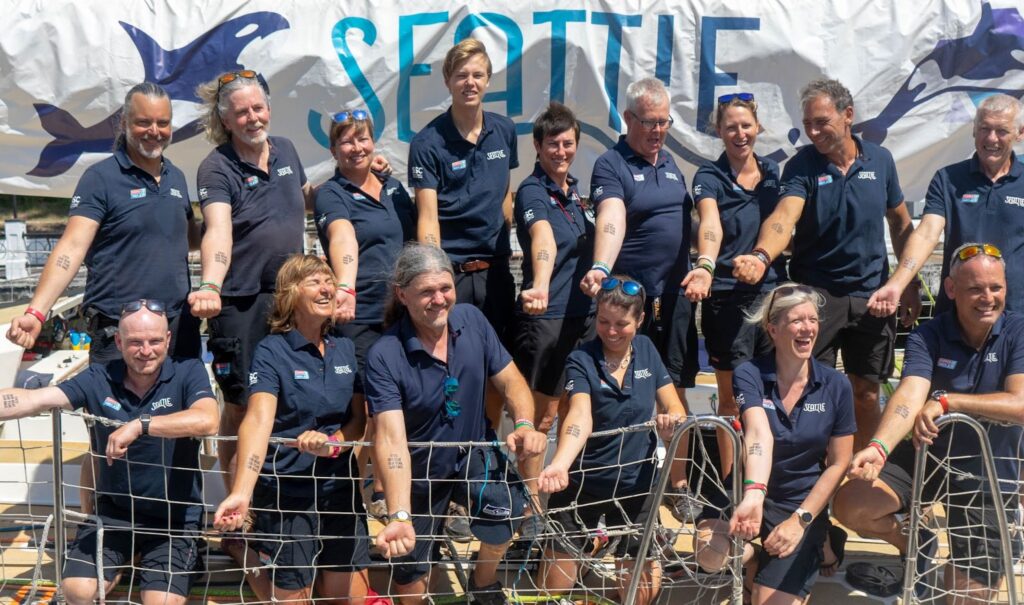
{"points": [[541, 347], [728, 337], [796, 573], [576, 515], [867, 342], [299, 535], [673, 328], [493, 291], [493, 494], [234, 334], [970, 514], [169, 553]]}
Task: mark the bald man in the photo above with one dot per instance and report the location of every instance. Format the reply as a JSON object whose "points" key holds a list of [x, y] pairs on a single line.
{"points": [[149, 487]]}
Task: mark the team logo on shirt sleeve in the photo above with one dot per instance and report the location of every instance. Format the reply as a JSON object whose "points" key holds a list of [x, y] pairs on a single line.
{"points": [[254, 377], [417, 172], [203, 193], [75, 201], [528, 215], [569, 384]]}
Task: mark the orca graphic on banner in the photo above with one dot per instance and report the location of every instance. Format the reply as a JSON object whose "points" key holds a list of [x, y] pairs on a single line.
{"points": [[179, 71], [976, 64]]}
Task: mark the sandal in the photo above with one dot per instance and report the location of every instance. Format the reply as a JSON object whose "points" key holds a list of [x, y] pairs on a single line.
{"points": [[874, 580], [837, 537]]}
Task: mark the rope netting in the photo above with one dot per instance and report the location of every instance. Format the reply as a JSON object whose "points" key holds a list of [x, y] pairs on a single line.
{"points": [[604, 534]]}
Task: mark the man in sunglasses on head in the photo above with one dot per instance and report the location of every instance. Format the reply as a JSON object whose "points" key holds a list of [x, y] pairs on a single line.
{"points": [[149, 485], [131, 222], [426, 379], [968, 360], [835, 193], [980, 198]]}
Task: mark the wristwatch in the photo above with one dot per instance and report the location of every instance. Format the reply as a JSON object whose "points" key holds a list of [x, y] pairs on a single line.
{"points": [[940, 396], [402, 516], [145, 420], [804, 516]]}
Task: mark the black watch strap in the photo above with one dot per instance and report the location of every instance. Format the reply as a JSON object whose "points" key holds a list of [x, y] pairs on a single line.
{"points": [[145, 420]]}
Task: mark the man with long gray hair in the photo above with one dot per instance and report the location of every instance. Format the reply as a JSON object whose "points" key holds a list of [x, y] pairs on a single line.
{"points": [[425, 382]]}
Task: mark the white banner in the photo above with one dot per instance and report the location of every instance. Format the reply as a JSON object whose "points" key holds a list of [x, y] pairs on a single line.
{"points": [[917, 69]]}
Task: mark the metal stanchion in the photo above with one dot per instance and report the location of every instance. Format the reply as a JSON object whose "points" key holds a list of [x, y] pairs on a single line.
{"points": [[993, 485], [58, 506]]}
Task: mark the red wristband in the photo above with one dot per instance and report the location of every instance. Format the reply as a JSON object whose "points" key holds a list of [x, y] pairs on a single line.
{"points": [[350, 291], [944, 402], [880, 450], [763, 256], [37, 314]]}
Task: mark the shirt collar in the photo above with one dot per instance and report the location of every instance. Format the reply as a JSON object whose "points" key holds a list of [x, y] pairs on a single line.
{"points": [[126, 163], [297, 341], [951, 326], [451, 132], [1016, 167], [633, 157], [549, 184], [118, 369], [411, 342], [769, 373]]}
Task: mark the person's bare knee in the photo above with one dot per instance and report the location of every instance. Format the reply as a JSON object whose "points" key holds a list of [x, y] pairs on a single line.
{"points": [[160, 597], [711, 546], [79, 591]]}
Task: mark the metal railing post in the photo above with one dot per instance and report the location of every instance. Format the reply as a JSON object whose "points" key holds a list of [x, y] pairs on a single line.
{"points": [[915, 506], [58, 505]]}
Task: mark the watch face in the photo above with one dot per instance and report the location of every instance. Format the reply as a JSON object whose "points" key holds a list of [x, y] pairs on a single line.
{"points": [[401, 516], [806, 517]]}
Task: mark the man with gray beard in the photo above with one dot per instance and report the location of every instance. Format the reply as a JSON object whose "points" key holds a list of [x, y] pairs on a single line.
{"points": [[131, 223]]}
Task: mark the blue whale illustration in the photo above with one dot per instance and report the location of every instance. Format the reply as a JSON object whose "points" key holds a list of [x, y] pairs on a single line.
{"points": [[179, 71], [973, 64]]}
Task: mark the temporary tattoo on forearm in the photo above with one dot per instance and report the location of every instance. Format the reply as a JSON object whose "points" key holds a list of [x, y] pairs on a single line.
{"points": [[221, 258], [909, 264], [10, 401], [431, 239], [709, 236], [543, 256], [64, 261], [902, 411], [755, 449], [395, 461], [572, 430], [609, 229], [347, 259], [254, 463], [776, 227]]}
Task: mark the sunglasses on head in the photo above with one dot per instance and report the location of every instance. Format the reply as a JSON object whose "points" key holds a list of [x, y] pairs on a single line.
{"points": [[969, 251], [742, 96], [784, 291], [231, 76], [630, 288], [153, 305], [357, 115], [452, 409]]}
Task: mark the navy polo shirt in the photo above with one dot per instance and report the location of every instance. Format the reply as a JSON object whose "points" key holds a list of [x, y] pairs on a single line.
{"points": [[825, 410], [839, 243], [141, 247], [382, 227], [978, 210], [741, 211], [656, 248], [314, 393], [158, 477], [620, 462], [937, 352], [268, 212], [470, 180], [402, 375], [538, 198]]}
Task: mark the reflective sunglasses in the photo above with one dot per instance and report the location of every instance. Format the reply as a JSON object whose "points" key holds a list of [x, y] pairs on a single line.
{"points": [[231, 76], [153, 305], [786, 291], [742, 96], [452, 409], [630, 288], [968, 251], [357, 115]]}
